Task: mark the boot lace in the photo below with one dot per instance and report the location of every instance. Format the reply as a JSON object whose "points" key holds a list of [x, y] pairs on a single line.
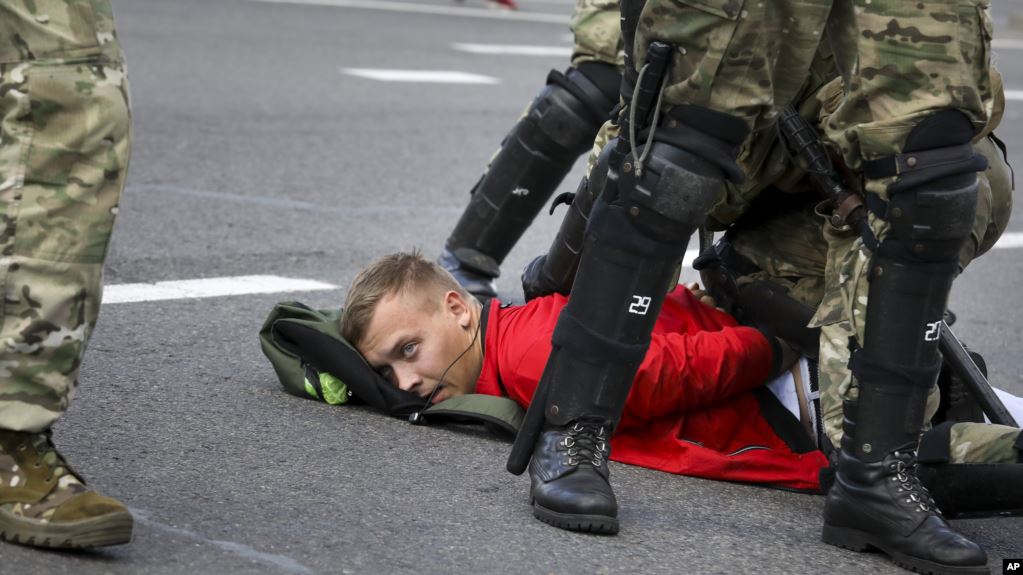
{"points": [[586, 443], [48, 455], [903, 464]]}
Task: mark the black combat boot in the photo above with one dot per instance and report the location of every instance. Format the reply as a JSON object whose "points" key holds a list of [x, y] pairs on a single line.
{"points": [[569, 478], [881, 504]]}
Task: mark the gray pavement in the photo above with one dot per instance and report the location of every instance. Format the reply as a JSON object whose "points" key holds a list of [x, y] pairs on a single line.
{"points": [[255, 155]]}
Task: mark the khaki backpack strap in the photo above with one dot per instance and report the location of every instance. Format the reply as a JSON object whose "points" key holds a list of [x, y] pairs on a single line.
{"points": [[500, 414]]}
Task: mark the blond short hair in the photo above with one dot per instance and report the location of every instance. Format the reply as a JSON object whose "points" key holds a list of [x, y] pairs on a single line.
{"points": [[391, 274]]}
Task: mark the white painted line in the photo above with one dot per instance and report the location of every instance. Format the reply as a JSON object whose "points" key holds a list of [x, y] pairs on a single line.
{"points": [[547, 2], [1014, 94], [1008, 240], [432, 76], [410, 7], [209, 287], [687, 259], [514, 50], [1007, 43]]}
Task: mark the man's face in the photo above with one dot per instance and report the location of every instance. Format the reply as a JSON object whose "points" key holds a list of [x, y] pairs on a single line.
{"points": [[412, 338]]}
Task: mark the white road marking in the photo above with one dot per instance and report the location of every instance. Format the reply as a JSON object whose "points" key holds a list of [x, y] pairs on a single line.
{"points": [[1008, 240], [208, 287], [282, 562], [1007, 43], [430, 76], [249, 285], [514, 50], [466, 11], [1014, 94]]}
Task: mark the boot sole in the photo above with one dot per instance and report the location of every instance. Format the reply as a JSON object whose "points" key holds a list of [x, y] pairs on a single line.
{"points": [[856, 540], [598, 524], [111, 529]]}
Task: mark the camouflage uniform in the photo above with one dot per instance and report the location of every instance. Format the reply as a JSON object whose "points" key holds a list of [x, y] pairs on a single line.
{"points": [[597, 33], [916, 90], [811, 259], [66, 139], [747, 58]]}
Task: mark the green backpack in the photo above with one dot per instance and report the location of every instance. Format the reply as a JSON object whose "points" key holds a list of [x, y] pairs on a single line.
{"points": [[312, 360]]}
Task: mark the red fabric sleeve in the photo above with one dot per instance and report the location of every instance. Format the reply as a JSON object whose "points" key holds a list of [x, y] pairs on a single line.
{"points": [[685, 371]]}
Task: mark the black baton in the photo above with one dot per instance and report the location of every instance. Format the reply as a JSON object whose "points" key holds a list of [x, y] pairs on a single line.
{"points": [[957, 357]]}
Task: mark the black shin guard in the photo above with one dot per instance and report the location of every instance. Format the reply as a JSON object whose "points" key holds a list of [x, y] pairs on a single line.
{"points": [[930, 215], [554, 272], [533, 160], [628, 259], [877, 499], [968, 489], [635, 239], [603, 333], [975, 489]]}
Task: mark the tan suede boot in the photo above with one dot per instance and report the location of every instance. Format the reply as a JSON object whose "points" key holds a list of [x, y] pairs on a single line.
{"points": [[45, 504]]}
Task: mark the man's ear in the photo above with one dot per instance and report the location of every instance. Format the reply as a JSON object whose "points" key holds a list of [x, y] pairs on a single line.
{"points": [[456, 305]]}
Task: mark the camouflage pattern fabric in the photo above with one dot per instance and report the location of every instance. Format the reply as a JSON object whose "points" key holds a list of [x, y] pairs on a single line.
{"points": [[899, 62], [597, 31], [65, 140], [607, 132], [982, 443], [794, 249], [43, 505]]}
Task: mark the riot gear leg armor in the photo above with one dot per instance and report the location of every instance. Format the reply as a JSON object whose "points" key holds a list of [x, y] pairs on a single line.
{"points": [[636, 237], [877, 500], [534, 158], [554, 272]]}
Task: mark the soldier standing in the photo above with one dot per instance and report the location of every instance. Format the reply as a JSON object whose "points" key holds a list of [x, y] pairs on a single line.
{"points": [[916, 92], [65, 140]]}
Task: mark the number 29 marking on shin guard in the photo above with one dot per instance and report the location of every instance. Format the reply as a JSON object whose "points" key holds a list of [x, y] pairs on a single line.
{"points": [[933, 329], [640, 305]]}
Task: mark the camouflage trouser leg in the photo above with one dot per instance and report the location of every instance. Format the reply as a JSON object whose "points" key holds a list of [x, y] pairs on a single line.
{"points": [[982, 443], [65, 130], [607, 132], [815, 265], [741, 58], [902, 62], [597, 33]]}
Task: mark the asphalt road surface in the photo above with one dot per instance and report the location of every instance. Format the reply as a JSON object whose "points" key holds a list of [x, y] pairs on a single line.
{"points": [[260, 153]]}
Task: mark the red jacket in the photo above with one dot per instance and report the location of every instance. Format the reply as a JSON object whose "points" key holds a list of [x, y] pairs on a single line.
{"points": [[690, 410]]}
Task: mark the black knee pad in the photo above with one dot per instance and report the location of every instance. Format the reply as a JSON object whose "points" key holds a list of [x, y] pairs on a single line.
{"points": [[934, 198], [674, 193], [533, 160], [931, 222], [557, 273], [575, 104], [670, 187]]}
